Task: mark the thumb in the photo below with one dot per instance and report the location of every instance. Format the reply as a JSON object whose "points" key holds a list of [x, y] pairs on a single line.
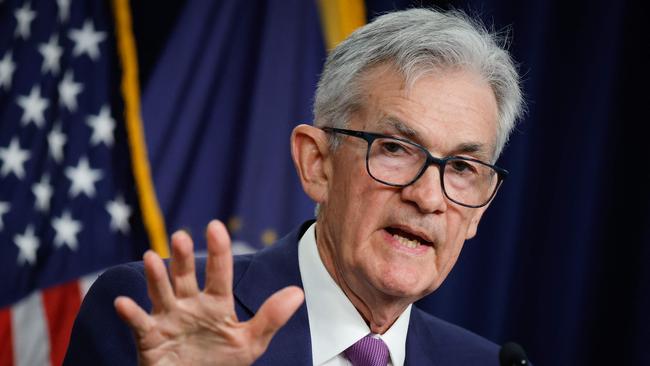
{"points": [[274, 313]]}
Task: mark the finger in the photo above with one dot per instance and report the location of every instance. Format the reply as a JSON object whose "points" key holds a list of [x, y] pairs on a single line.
{"points": [[218, 272], [182, 265], [136, 318], [274, 313], [158, 286]]}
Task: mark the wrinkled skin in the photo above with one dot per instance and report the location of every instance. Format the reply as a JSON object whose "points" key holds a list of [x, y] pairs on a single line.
{"points": [[450, 113], [192, 327]]}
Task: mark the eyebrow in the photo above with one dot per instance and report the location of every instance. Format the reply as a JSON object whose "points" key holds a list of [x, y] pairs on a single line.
{"points": [[401, 127], [479, 149], [470, 147]]}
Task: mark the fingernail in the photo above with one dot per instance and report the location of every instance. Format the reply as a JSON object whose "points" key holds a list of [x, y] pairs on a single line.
{"points": [[147, 253], [212, 224], [180, 232]]}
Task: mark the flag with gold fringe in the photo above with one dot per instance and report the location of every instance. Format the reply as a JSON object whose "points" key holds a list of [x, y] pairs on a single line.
{"points": [[75, 193], [232, 82]]}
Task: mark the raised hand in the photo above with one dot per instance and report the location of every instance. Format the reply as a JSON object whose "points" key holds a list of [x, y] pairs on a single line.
{"points": [[189, 326]]}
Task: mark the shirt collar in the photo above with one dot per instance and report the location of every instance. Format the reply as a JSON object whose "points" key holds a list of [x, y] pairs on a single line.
{"points": [[334, 323]]}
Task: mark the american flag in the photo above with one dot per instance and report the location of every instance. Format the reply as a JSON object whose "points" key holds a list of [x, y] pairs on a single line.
{"points": [[68, 202]]}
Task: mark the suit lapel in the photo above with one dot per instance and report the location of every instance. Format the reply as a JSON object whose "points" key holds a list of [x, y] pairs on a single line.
{"points": [[421, 346], [269, 271]]}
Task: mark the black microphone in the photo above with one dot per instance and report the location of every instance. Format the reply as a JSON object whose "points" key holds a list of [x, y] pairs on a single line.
{"points": [[511, 354]]}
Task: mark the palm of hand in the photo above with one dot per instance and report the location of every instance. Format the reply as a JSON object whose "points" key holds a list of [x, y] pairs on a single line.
{"points": [[192, 327]]}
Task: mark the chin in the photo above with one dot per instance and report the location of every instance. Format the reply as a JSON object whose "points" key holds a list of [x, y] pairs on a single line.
{"points": [[406, 285]]}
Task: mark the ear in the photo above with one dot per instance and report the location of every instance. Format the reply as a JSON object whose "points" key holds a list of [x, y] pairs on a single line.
{"points": [[473, 224], [310, 153]]}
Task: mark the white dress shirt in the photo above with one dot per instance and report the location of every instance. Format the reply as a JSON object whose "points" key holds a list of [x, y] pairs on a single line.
{"points": [[334, 323]]}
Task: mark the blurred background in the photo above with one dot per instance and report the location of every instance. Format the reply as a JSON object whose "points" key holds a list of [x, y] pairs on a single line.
{"points": [[561, 263]]}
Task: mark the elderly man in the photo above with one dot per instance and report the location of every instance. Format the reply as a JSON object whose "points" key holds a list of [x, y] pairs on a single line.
{"points": [[411, 113]]}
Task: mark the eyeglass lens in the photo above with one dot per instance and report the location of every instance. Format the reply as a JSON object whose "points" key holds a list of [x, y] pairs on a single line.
{"points": [[399, 163]]}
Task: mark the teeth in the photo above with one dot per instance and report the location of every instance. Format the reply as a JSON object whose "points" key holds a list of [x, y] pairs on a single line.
{"points": [[406, 242]]}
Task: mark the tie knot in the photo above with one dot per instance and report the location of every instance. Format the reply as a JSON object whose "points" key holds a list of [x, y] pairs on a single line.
{"points": [[368, 351]]}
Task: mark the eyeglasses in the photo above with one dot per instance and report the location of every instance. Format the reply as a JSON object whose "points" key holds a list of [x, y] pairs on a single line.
{"points": [[399, 163]]}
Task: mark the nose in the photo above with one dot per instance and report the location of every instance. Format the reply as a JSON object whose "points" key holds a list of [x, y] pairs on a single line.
{"points": [[426, 193]]}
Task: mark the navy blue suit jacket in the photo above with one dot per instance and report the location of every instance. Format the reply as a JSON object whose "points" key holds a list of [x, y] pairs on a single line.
{"points": [[99, 337]]}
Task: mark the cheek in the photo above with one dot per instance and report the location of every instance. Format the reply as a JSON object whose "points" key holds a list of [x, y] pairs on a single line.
{"points": [[447, 255], [360, 206], [459, 224], [447, 260]]}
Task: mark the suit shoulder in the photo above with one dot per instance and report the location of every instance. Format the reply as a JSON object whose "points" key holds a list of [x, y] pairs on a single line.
{"points": [[98, 336], [124, 279], [457, 340]]}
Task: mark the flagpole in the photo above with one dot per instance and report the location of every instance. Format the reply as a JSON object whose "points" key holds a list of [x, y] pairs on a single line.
{"points": [[339, 18], [151, 213]]}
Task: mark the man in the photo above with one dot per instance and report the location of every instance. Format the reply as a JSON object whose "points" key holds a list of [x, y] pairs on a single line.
{"points": [[410, 114]]}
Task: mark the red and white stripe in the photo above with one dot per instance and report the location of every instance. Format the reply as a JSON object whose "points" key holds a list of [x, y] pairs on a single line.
{"points": [[36, 330]]}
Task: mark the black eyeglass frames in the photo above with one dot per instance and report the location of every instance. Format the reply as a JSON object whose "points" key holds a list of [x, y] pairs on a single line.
{"points": [[399, 162]]}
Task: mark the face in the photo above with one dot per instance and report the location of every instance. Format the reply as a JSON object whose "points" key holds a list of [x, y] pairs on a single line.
{"points": [[382, 243]]}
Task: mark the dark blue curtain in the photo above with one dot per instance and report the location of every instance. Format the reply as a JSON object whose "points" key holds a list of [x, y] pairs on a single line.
{"points": [[561, 263], [562, 260], [233, 80]]}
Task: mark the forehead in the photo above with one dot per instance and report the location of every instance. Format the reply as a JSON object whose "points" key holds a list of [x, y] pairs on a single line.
{"points": [[450, 111]]}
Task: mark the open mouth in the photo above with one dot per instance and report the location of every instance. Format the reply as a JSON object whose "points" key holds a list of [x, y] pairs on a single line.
{"points": [[406, 238]]}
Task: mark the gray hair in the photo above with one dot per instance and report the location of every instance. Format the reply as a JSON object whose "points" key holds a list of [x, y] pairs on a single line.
{"points": [[417, 42]]}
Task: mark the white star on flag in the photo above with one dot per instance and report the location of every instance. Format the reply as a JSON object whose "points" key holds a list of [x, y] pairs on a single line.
{"points": [[56, 139], [66, 231], [7, 68], [13, 159], [27, 244], [86, 40], [68, 91], [68, 198], [24, 17], [83, 178], [33, 107], [43, 193], [120, 213], [64, 9], [102, 125], [51, 53], [4, 208]]}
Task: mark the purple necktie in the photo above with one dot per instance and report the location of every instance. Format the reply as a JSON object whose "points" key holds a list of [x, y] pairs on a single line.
{"points": [[368, 351]]}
